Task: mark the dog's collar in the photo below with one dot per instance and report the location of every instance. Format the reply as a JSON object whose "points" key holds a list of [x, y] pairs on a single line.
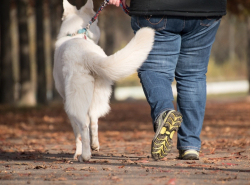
{"points": [[83, 31]]}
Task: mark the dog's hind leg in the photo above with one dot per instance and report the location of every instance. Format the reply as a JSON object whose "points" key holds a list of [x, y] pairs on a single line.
{"points": [[99, 107], [94, 134], [79, 92]]}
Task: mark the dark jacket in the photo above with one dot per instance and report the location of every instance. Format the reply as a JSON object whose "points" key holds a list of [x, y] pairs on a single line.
{"points": [[190, 8]]}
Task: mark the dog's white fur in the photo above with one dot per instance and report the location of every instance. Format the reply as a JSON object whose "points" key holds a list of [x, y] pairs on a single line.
{"points": [[83, 73]]}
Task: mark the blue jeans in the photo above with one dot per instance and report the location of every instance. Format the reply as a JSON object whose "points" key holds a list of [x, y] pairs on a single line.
{"points": [[181, 50]]}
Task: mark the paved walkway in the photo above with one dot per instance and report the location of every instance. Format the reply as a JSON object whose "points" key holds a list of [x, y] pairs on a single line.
{"points": [[36, 146]]}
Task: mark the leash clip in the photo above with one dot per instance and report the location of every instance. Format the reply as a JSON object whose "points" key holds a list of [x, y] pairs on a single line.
{"points": [[105, 2]]}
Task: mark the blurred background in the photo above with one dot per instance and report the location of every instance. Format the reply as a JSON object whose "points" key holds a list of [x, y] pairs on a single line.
{"points": [[29, 29]]}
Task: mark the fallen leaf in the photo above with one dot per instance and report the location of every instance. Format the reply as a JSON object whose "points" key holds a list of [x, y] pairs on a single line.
{"points": [[165, 171], [228, 178], [62, 161], [200, 173], [101, 161], [107, 169], [116, 179], [212, 151], [171, 181], [179, 164], [24, 174], [6, 177], [229, 164], [40, 167], [201, 154], [91, 169], [206, 161], [128, 161], [69, 169], [190, 162], [62, 179]]}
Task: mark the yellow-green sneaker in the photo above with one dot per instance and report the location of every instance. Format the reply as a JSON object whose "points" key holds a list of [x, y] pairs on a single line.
{"points": [[189, 154], [166, 125]]}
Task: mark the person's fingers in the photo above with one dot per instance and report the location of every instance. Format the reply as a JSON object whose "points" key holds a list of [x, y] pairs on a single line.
{"points": [[116, 2]]}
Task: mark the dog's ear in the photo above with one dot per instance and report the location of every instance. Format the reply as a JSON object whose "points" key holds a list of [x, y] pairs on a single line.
{"points": [[68, 9], [88, 8], [89, 4]]}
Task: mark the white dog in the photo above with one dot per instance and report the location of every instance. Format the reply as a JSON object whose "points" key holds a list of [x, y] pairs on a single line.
{"points": [[83, 73]]}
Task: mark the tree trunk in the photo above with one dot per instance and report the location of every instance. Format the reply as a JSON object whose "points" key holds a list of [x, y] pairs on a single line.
{"points": [[48, 52], [32, 47], [6, 77], [41, 79], [15, 49], [248, 52], [56, 11], [27, 92]]}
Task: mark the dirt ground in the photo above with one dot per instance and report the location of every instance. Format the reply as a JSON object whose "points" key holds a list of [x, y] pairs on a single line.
{"points": [[37, 145]]}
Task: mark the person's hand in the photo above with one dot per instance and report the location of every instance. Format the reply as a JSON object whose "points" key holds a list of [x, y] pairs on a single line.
{"points": [[116, 2]]}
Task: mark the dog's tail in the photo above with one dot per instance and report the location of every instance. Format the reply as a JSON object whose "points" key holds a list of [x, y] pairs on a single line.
{"points": [[126, 61]]}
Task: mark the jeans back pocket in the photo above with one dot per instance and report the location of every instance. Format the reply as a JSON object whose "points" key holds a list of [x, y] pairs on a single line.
{"points": [[209, 21], [156, 22]]}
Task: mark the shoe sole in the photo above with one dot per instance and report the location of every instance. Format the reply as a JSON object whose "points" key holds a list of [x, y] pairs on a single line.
{"points": [[190, 157], [162, 141]]}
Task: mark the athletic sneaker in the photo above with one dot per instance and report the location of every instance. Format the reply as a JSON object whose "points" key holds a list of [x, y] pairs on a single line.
{"points": [[166, 125], [189, 154]]}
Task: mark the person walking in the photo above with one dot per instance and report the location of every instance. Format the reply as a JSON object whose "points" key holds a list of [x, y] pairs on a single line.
{"points": [[184, 33]]}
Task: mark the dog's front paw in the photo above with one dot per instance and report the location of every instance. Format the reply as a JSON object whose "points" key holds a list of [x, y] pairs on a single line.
{"points": [[78, 150], [77, 155], [84, 157]]}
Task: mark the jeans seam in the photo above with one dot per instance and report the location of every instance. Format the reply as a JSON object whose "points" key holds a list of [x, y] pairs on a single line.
{"points": [[154, 23], [207, 25], [156, 29]]}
